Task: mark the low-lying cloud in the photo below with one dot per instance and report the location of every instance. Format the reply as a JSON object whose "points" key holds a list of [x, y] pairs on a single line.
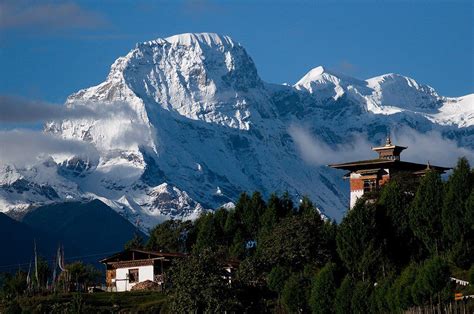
{"points": [[26, 147], [422, 148], [20, 110]]}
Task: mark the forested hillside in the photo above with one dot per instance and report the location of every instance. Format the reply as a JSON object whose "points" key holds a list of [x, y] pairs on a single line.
{"points": [[396, 249]]}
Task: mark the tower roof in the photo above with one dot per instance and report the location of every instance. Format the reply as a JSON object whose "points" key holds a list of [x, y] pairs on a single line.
{"points": [[389, 151]]}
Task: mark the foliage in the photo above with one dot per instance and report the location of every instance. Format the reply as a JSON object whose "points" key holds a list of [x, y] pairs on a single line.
{"points": [[458, 188], [277, 278], [401, 290], [432, 279], [359, 241], [425, 212], [137, 242], [323, 290], [392, 249], [82, 274], [171, 236], [294, 242], [13, 285], [361, 301], [343, 298], [199, 284], [293, 296]]}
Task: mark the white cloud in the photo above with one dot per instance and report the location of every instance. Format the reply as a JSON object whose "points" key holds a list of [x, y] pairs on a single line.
{"points": [[26, 147], [20, 110], [422, 147]]}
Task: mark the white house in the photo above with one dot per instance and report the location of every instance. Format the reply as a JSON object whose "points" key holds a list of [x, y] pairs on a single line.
{"points": [[125, 269]]}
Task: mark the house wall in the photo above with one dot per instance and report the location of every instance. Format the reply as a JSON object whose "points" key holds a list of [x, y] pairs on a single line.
{"points": [[121, 278], [355, 195], [357, 186]]}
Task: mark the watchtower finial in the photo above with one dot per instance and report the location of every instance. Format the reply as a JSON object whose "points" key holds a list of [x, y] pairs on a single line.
{"points": [[388, 141]]}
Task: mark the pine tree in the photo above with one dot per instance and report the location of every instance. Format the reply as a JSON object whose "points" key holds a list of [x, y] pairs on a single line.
{"points": [[206, 234], [401, 290], [425, 212], [271, 214], [323, 290], [276, 279], [359, 243], [136, 242], [343, 298], [361, 298], [431, 280], [458, 188], [199, 285], [293, 295], [392, 208]]}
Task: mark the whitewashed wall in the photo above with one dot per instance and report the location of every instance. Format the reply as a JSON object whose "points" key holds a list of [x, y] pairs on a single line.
{"points": [[355, 195], [121, 277]]}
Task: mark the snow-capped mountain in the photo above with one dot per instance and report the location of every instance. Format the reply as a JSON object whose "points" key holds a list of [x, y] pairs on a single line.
{"points": [[192, 125]]}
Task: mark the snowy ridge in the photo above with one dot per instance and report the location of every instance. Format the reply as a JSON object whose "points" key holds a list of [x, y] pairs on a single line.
{"points": [[192, 125]]}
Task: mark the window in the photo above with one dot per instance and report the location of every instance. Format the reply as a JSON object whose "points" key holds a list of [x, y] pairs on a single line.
{"points": [[369, 185], [133, 275]]}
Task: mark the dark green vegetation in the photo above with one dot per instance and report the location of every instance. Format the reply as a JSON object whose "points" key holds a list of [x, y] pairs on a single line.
{"points": [[120, 302], [88, 229], [396, 249]]}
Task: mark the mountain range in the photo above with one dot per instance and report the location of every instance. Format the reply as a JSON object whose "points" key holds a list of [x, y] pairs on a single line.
{"points": [[189, 125]]}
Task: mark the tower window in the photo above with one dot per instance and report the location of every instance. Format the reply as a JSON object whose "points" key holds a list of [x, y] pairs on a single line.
{"points": [[369, 185]]}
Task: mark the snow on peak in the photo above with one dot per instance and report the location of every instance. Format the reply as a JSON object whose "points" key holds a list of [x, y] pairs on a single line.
{"points": [[325, 84], [403, 92], [210, 39]]}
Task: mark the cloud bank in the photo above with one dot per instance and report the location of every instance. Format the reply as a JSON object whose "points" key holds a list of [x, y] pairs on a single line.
{"points": [[422, 148], [20, 110], [24, 148]]}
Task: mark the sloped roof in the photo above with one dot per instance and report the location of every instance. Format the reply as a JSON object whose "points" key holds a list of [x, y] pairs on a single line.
{"points": [[385, 163], [137, 254]]}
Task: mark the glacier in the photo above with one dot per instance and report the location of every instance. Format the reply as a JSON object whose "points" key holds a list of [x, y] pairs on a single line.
{"points": [[192, 125]]}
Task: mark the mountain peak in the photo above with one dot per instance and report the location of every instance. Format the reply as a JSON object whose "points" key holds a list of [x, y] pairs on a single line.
{"points": [[313, 75], [211, 39], [193, 39]]}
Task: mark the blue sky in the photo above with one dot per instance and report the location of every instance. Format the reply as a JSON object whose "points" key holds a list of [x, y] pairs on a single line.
{"points": [[50, 49]]}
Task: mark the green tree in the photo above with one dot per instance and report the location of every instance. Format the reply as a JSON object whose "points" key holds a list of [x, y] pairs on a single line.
{"points": [[471, 276], [458, 188], [393, 222], [199, 285], [83, 275], [425, 212], [271, 214], [293, 296], [401, 290], [172, 236], [381, 296], [361, 298], [323, 290], [343, 298], [431, 280], [277, 278], [294, 242], [13, 285], [137, 242], [359, 243], [252, 216], [206, 232]]}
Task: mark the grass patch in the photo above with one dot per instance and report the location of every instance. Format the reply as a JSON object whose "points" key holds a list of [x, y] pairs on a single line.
{"points": [[101, 302]]}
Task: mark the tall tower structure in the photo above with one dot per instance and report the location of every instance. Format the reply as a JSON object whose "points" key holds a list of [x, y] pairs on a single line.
{"points": [[369, 175]]}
